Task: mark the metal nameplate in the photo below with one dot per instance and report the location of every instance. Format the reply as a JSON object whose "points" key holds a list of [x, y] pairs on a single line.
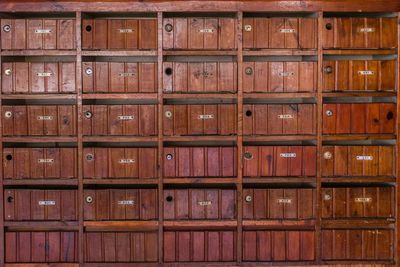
{"points": [[364, 157], [365, 72], [45, 118], [286, 73], [125, 202], [367, 30], [126, 161], [125, 117], [285, 200], [286, 30], [125, 30], [126, 74], [45, 160], [287, 155], [285, 116], [47, 203], [44, 74], [206, 30], [363, 199], [43, 31], [210, 116], [204, 203]]}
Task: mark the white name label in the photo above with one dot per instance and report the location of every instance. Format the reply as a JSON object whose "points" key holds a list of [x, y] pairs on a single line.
{"points": [[286, 30], [286, 73], [206, 30], [285, 116], [126, 74], [204, 203], [47, 203], [45, 118], [43, 31], [44, 74], [285, 201], [125, 30], [365, 72], [125, 117], [210, 116], [363, 199], [364, 157], [126, 161], [367, 30], [287, 155], [45, 160], [125, 202]]}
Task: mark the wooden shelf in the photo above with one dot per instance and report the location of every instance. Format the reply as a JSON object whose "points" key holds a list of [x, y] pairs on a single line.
{"points": [[121, 53], [279, 224], [119, 96], [117, 139], [120, 226], [41, 225], [40, 139], [350, 137], [118, 181], [216, 138], [358, 179], [38, 53], [40, 96], [328, 51], [214, 180], [362, 223], [200, 225], [358, 94], [280, 52], [44, 182], [199, 95], [279, 138], [280, 180], [200, 52], [281, 95]]}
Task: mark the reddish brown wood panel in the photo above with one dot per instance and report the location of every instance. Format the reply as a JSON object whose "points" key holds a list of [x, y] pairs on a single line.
{"points": [[273, 119], [121, 247], [273, 77], [200, 161], [132, 34], [279, 203], [359, 75], [194, 204], [38, 34], [32, 120], [127, 163], [23, 163], [218, 119], [209, 33], [359, 32], [119, 77], [38, 77], [120, 204], [279, 32], [358, 161], [207, 246], [359, 118], [41, 247], [40, 205], [278, 246], [199, 77], [358, 202], [264, 161], [139, 120], [357, 244]]}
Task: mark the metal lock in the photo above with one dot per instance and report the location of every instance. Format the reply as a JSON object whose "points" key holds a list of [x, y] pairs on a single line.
{"points": [[169, 198], [328, 26], [247, 28], [328, 69], [89, 71], [9, 157], [88, 114], [248, 198], [8, 114], [89, 157], [88, 28], [7, 72], [168, 27], [248, 71], [248, 155], [6, 28], [169, 156], [89, 199], [168, 114], [168, 71], [329, 113], [327, 155]]}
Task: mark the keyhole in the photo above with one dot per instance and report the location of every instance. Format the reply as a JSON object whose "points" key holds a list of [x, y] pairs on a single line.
{"points": [[88, 28], [248, 113], [169, 198], [168, 71], [10, 199], [389, 115], [328, 26], [9, 157]]}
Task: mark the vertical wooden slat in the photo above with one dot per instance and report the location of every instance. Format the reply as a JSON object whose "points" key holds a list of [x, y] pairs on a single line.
{"points": [[2, 241], [397, 207]]}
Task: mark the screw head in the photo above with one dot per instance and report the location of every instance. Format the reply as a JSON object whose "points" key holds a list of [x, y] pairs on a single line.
{"points": [[168, 114], [248, 198], [89, 199], [329, 113], [6, 28], [8, 114], [328, 69], [248, 71], [247, 28], [89, 157], [168, 156], [327, 155], [169, 27], [248, 155], [88, 114], [8, 72], [89, 71]]}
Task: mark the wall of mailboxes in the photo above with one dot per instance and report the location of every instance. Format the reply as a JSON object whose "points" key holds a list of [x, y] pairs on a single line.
{"points": [[28, 114]]}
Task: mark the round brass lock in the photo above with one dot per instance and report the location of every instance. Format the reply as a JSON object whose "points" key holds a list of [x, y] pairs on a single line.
{"points": [[168, 27], [247, 28], [89, 157], [6, 28], [7, 72], [8, 114], [248, 71], [248, 155], [328, 69], [168, 114], [88, 114], [169, 156], [329, 113], [89, 71], [248, 198], [327, 155], [89, 199]]}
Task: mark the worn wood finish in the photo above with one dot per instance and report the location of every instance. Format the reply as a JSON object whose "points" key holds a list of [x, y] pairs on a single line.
{"points": [[193, 133]]}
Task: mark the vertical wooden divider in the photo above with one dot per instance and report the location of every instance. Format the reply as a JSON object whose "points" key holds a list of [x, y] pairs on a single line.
{"points": [[239, 184], [397, 206], [2, 237], [160, 136], [319, 141], [80, 132]]}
